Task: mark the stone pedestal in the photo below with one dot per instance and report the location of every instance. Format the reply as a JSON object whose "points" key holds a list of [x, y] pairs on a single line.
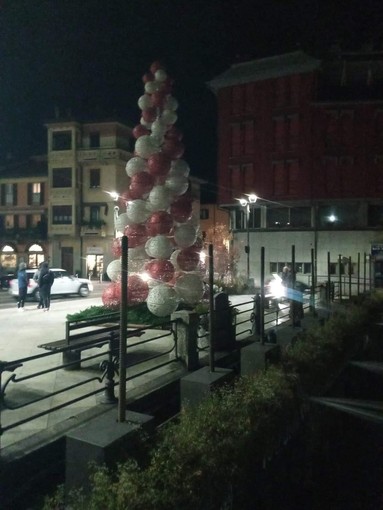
{"points": [[187, 337], [255, 357], [199, 384], [102, 440]]}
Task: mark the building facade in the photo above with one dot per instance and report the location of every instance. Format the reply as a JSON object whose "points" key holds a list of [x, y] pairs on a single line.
{"points": [[305, 136], [85, 163]]}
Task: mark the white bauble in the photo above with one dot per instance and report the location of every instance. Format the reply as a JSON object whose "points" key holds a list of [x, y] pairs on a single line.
{"points": [[136, 259], [185, 235], [153, 86], [114, 270], [160, 75], [179, 167], [135, 165], [144, 102], [189, 288], [121, 222], [159, 199], [145, 146], [171, 103], [159, 247], [158, 128], [146, 124], [169, 117], [173, 259], [177, 184], [137, 211], [162, 300]]}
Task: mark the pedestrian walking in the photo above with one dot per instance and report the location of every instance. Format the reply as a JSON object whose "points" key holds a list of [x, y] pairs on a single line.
{"points": [[22, 280], [45, 282]]}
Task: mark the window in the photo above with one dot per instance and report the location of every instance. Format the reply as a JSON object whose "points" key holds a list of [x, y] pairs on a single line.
{"points": [[35, 193], [307, 268], [94, 214], [94, 178], [9, 194], [278, 217], [300, 217], [236, 145], [204, 214], [62, 178], [62, 141], [375, 216], [94, 140], [339, 216], [62, 214], [10, 221]]}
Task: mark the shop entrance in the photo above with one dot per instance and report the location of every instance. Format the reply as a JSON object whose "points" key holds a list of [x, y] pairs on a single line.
{"points": [[94, 266]]}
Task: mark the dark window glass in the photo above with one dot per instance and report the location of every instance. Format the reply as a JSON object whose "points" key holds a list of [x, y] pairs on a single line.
{"points": [[62, 178], [62, 141], [94, 213], [300, 217], [375, 216], [62, 214], [204, 214], [339, 216], [94, 140], [94, 178]]}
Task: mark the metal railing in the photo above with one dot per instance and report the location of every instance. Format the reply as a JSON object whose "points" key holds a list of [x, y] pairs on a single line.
{"points": [[23, 387]]}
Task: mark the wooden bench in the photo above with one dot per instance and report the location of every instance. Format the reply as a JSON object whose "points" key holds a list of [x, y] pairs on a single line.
{"points": [[86, 334]]}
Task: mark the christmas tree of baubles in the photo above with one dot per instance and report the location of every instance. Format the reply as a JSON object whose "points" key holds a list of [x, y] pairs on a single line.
{"points": [[156, 210]]}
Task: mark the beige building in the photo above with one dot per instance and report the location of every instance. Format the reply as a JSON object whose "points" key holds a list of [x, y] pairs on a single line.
{"points": [[58, 207]]}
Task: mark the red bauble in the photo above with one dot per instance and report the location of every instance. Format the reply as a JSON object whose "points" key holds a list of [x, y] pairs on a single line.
{"points": [[155, 66], [162, 270], [149, 114], [111, 296], [140, 130], [138, 290], [116, 247], [188, 259], [181, 209], [159, 223], [159, 164], [124, 198], [137, 235], [173, 148], [158, 98], [140, 184], [174, 134], [147, 77]]}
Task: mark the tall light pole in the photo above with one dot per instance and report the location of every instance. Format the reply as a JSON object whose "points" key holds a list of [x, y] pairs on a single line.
{"points": [[247, 203]]}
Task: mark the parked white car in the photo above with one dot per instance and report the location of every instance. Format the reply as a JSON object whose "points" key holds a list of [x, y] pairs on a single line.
{"points": [[64, 284]]}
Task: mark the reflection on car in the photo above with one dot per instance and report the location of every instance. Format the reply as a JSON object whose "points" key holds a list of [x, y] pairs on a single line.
{"points": [[64, 284]]}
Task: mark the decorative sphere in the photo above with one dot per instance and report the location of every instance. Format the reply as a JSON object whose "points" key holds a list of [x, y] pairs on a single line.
{"points": [[162, 300], [160, 222], [173, 259], [121, 222], [114, 270], [144, 102], [160, 75], [171, 103], [135, 165], [155, 66], [169, 117], [159, 164], [179, 167], [145, 146], [188, 259], [158, 128], [141, 183], [116, 247], [136, 211], [185, 235], [177, 184], [159, 247], [173, 148], [153, 86], [136, 259], [138, 290], [162, 270], [148, 77], [158, 98], [137, 235], [189, 287], [174, 133], [181, 209], [111, 295], [140, 130], [149, 114], [159, 198]]}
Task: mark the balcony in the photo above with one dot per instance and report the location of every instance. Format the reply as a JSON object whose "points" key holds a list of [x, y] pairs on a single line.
{"points": [[102, 154], [93, 228], [38, 233]]}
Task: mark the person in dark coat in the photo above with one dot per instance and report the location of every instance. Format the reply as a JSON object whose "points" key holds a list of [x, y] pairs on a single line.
{"points": [[22, 280], [36, 279], [46, 278]]}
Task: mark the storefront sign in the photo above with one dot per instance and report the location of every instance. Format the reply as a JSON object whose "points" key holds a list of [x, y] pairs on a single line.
{"points": [[94, 250]]}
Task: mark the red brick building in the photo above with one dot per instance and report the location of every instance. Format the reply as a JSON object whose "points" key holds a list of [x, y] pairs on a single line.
{"points": [[306, 136]]}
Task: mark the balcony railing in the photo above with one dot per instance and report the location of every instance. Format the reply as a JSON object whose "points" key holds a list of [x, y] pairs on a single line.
{"points": [[16, 234]]}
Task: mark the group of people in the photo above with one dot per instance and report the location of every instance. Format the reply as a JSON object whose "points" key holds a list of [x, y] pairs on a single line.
{"points": [[44, 279]]}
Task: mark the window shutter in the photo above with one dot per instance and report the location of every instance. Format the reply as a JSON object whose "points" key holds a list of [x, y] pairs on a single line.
{"points": [[3, 194], [15, 194], [42, 191], [29, 198]]}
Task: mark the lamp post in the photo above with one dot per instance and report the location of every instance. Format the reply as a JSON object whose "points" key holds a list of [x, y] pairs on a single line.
{"points": [[247, 203]]}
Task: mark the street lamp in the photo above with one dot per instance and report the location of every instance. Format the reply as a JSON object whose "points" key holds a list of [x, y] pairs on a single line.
{"points": [[247, 203]]}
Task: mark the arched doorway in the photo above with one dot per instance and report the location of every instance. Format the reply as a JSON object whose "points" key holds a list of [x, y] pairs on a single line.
{"points": [[35, 255]]}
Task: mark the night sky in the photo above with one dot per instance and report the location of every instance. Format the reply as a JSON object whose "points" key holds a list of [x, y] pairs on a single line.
{"points": [[88, 57]]}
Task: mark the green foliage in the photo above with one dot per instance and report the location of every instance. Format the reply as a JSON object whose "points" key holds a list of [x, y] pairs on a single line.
{"points": [[137, 314], [213, 448]]}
